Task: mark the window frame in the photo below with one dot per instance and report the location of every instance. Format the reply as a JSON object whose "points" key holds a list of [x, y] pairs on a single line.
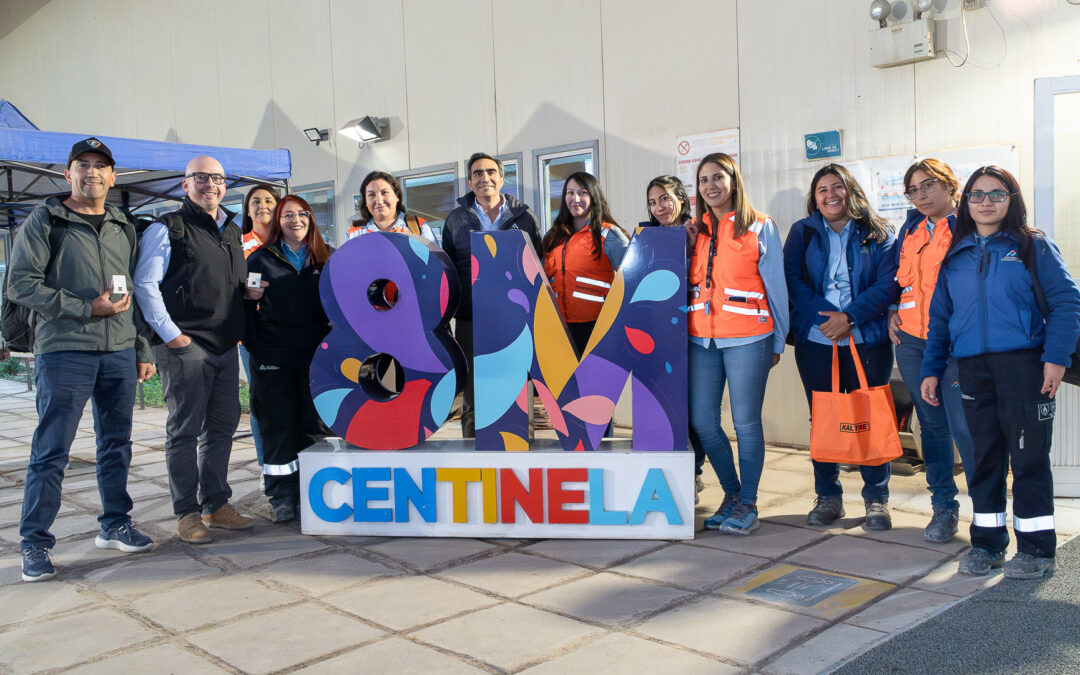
{"points": [[299, 191], [543, 199], [431, 170]]}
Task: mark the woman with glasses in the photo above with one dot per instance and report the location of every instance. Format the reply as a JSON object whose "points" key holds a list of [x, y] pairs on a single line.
{"points": [[1008, 310], [382, 209], [840, 265], [933, 190], [286, 322], [737, 321], [259, 205]]}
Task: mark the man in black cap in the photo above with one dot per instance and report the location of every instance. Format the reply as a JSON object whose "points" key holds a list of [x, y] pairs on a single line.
{"points": [[72, 264]]}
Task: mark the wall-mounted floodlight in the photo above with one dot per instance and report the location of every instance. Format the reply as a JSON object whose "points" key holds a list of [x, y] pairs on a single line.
{"points": [[317, 136], [366, 129], [922, 7], [880, 11]]}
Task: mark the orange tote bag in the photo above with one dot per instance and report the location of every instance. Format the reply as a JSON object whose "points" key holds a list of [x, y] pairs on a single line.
{"points": [[854, 428]]}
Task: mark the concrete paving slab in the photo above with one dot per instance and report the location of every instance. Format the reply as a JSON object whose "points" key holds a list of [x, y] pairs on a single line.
{"points": [[327, 573], [166, 658], [904, 608], [478, 636], [148, 572], [824, 649], [217, 599], [286, 637], [908, 530], [393, 655], [863, 557], [259, 545], [33, 647], [770, 540], [599, 553], [945, 579], [730, 629], [407, 602], [431, 553], [825, 595], [607, 598], [692, 567], [616, 653], [23, 602], [512, 574], [67, 526]]}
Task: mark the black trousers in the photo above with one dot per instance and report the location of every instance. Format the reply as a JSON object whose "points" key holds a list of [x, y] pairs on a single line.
{"points": [[464, 334], [1010, 422], [281, 402]]}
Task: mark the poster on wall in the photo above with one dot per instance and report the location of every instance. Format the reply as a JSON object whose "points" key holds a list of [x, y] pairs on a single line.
{"points": [[883, 177], [691, 148]]}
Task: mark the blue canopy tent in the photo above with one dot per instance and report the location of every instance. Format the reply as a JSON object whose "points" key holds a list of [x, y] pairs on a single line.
{"points": [[32, 164]]}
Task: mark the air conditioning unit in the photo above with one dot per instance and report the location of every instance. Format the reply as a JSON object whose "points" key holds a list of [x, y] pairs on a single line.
{"points": [[902, 43]]}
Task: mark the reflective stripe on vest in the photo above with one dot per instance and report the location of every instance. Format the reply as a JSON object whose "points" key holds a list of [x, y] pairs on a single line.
{"points": [[1036, 524], [251, 242], [282, 469], [580, 279], [733, 302], [988, 519], [920, 257]]}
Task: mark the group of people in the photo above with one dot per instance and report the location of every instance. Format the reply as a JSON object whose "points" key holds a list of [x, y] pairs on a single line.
{"points": [[952, 293]]}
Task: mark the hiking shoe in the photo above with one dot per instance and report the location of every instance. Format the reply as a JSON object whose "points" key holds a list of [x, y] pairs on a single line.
{"points": [[943, 525], [125, 538], [1027, 566], [877, 516], [36, 565], [191, 529], [716, 520], [978, 562], [826, 510], [743, 520], [283, 511], [699, 485], [227, 518]]}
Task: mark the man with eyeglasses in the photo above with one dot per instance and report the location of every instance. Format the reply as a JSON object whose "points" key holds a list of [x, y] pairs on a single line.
{"points": [[71, 263], [484, 209], [190, 285]]}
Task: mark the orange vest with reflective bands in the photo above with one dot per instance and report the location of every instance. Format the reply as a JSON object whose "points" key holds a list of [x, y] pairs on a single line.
{"points": [[581, 279], [251, 242], [920, 258], [731, 302]]}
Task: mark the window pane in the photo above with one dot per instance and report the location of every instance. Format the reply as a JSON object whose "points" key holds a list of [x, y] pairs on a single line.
{"points": [[554, 171], [431, 197], [511, 187], [1066, 168], [322, 208]]}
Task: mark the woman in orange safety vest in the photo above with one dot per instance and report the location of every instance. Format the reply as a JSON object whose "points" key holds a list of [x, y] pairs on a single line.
{"points": [[738, 321], [921, 245]]}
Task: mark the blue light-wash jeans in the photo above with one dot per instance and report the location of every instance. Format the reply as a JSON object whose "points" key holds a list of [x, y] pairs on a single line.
{"points": [[256, 432], [940, 425], [814, 362], [65, 380], [745, 369]]}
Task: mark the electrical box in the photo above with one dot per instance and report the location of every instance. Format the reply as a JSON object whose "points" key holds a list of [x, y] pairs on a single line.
{"points": [[906, 42]]}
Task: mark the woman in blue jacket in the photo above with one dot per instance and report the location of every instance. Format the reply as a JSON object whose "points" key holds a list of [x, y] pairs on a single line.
{"points": [[840, 268], [1011, 360]]}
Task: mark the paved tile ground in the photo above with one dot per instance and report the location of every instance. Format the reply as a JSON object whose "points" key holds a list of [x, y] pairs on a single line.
{"points": [[788, 599]]}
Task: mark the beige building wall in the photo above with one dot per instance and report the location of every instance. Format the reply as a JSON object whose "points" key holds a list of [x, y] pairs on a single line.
{"points": [[508, 76]]}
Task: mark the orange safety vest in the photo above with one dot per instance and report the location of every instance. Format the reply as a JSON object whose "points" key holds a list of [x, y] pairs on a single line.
{"points": [[412, 226], [581, 279], [731, 301], [251, 242], [920, 258]]}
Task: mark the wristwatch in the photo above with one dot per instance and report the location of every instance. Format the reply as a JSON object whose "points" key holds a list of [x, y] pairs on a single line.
{"points": [[850, 320]]}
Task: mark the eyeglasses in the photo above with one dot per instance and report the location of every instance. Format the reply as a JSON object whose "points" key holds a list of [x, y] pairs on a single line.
{"points": [[976, 196], [201, 177], [922, 188], [293, 215]]}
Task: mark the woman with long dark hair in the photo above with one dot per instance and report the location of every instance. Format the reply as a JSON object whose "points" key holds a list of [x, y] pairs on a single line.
{"points": [[582, 250], [934, 191], [841, 267], [382, 209], [988, 311], [285, 326], [737, 321]]}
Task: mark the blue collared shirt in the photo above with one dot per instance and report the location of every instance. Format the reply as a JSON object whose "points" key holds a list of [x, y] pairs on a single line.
{"points": [[487, 224], [298, 258], [155, 252], [837, 280]]}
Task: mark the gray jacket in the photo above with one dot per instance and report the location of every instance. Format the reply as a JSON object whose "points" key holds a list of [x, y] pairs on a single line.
{"points": [[82, 269]]}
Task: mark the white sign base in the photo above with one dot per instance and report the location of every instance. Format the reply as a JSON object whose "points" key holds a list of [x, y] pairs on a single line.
{"points": [[448, 489]]}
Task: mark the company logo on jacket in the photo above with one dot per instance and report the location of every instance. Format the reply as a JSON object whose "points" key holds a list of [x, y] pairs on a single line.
{"points": [[854, 427], [1011, 256]]}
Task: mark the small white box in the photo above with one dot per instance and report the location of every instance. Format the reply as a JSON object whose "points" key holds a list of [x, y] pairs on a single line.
{"points": [[254, 280], [119, 284]]}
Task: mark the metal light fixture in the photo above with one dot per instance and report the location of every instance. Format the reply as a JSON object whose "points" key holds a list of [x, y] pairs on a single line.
{"points": [[922, 7], [366, 129], [880, 11], [316, 135]]}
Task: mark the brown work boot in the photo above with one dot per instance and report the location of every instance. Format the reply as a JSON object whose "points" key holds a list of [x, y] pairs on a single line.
{"points": [[190, 528], [227, 518]]}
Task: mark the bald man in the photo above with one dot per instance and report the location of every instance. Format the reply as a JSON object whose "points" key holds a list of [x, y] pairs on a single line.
{"points": [[189, 284]]}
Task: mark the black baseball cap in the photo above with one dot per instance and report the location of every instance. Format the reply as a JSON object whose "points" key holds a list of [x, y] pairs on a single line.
{"points": [[91, 145]]}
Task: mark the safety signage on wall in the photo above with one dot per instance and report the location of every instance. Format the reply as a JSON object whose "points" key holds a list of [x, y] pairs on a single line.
{"points": [[690, 149], [822, 145]]}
